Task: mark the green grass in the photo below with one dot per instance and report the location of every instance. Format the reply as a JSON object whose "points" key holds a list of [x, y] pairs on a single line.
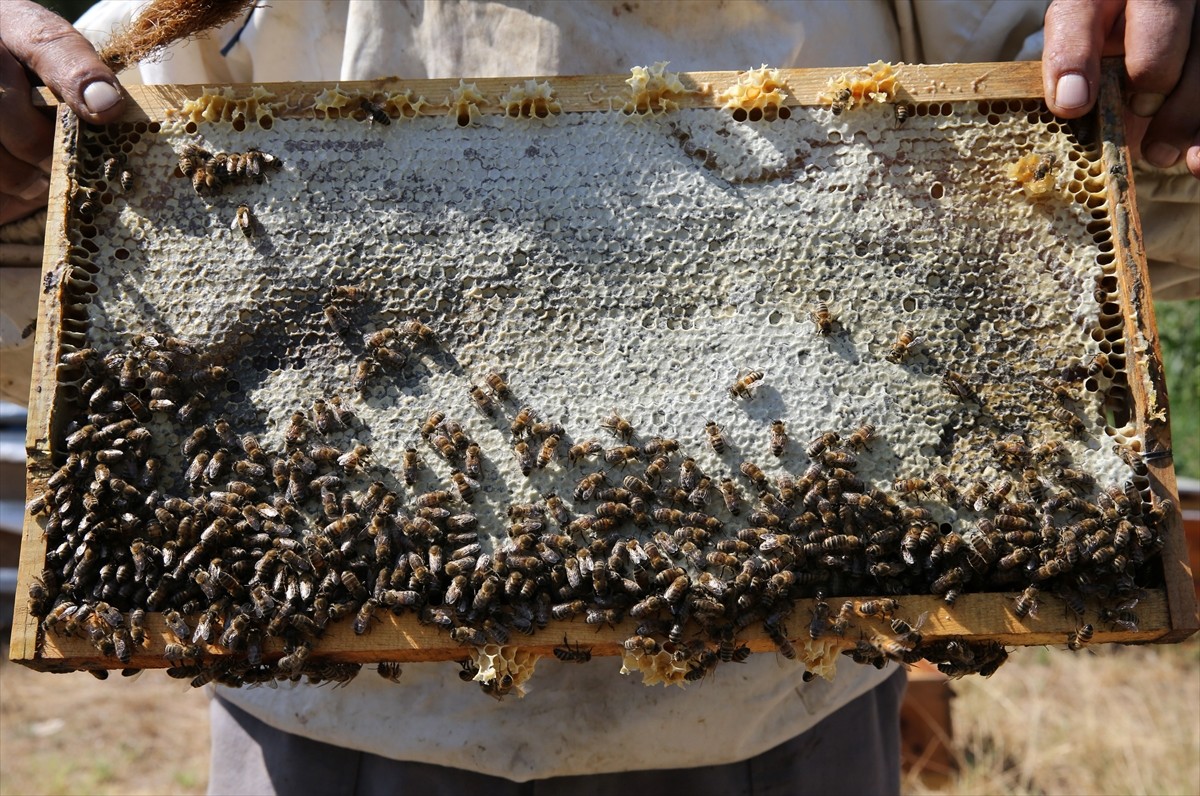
{"points": [[1179, 331]]}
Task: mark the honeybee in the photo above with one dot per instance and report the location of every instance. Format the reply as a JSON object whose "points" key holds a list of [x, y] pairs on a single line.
{"points": [[1052, 568], [392, 357], [379, 116], [1131, 459], [192, 157], [567, 610], [841, 101], [778, 635], [1079, 639], [421, 332], [525, 417], [822, 319], [958, 386], [1076, 480], [466, 487], [641, 643], [1026, 603], [699, 496], [882, 607], [483, 401], [244, 220], [908, 486], [587, 486], [755, 474], [473, 461], [660, 446], [526, 457], [619, 426], [835, 459], [353, 459], [455, 432], [1046, 161], [444, 446], [821, 443], [779, 438], [548, 451], [901, 113], [622, 455], [859, 438], [431, 423], [1069, 419], [731, 496], [336, 319], [677, 590], [742, 387], [363, 372], [112, 166], [177, 625], [498, 386]]}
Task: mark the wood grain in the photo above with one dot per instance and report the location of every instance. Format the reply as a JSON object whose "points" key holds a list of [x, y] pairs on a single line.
{"points": [[916, 83]]}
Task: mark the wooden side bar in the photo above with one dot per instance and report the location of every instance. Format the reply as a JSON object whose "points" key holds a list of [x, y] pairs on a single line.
{"points": [[1147, 380]]}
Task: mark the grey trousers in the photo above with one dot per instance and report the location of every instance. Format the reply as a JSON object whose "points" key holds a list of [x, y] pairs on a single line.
{"points": [[856, 750]]}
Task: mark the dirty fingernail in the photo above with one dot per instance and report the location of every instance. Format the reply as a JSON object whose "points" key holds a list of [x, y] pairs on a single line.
{"points": [[1146, 104], [1161, 155], [1071, 91], [100, 96], [47, 165], [37, 188]]}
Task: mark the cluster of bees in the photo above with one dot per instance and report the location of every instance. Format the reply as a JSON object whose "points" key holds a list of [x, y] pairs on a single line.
{"points": [[385, 350], [210, 172], [89, 199], [248, 543]]}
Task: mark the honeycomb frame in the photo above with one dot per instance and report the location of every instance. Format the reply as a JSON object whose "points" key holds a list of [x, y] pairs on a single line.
{"points": [[995, 89]]}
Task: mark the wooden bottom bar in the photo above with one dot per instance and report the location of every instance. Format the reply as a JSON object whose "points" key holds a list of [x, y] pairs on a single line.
{"points": [[975, 617]]}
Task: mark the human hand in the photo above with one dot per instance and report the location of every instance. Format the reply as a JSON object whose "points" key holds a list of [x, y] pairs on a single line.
{"points": [[39, 40], [1160, 40]]}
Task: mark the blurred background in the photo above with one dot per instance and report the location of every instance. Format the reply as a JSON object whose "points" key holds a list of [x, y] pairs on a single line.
{"points": [[1107, 720]]}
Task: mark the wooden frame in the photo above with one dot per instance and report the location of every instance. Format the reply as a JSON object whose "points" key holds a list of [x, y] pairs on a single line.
{"points": [[1167, 615]]}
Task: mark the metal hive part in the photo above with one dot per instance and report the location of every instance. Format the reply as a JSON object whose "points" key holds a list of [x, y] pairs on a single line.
{"points": [[647, 269]]}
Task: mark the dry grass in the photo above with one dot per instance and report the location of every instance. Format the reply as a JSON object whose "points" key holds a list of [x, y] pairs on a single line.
{"points": [[1122, 720], [72, 734]]}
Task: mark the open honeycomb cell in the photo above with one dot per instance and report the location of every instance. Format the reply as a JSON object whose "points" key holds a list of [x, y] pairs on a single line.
{"points": [[496, 374]]}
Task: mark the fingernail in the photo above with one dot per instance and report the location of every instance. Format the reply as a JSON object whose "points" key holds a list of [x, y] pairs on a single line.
{"points": [[100, 96], [37, 188], [1161, 155], [47, 165], [1146, 104], [1071, 91]]}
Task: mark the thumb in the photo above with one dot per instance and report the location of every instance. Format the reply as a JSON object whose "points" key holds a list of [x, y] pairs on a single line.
{"points": [[64, 60], [1076, 31]]}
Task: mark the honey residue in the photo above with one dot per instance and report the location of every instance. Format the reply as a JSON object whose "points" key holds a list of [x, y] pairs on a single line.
{"points": [[402, 105], [503, 670], [224, 105], [1035, 173], [463, 103], [334, 102], [649, 90], [758, 94], [533, 100], [873, 83]]}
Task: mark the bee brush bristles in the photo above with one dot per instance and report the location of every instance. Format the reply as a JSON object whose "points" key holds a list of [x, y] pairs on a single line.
{"points": [[165, 22]]}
